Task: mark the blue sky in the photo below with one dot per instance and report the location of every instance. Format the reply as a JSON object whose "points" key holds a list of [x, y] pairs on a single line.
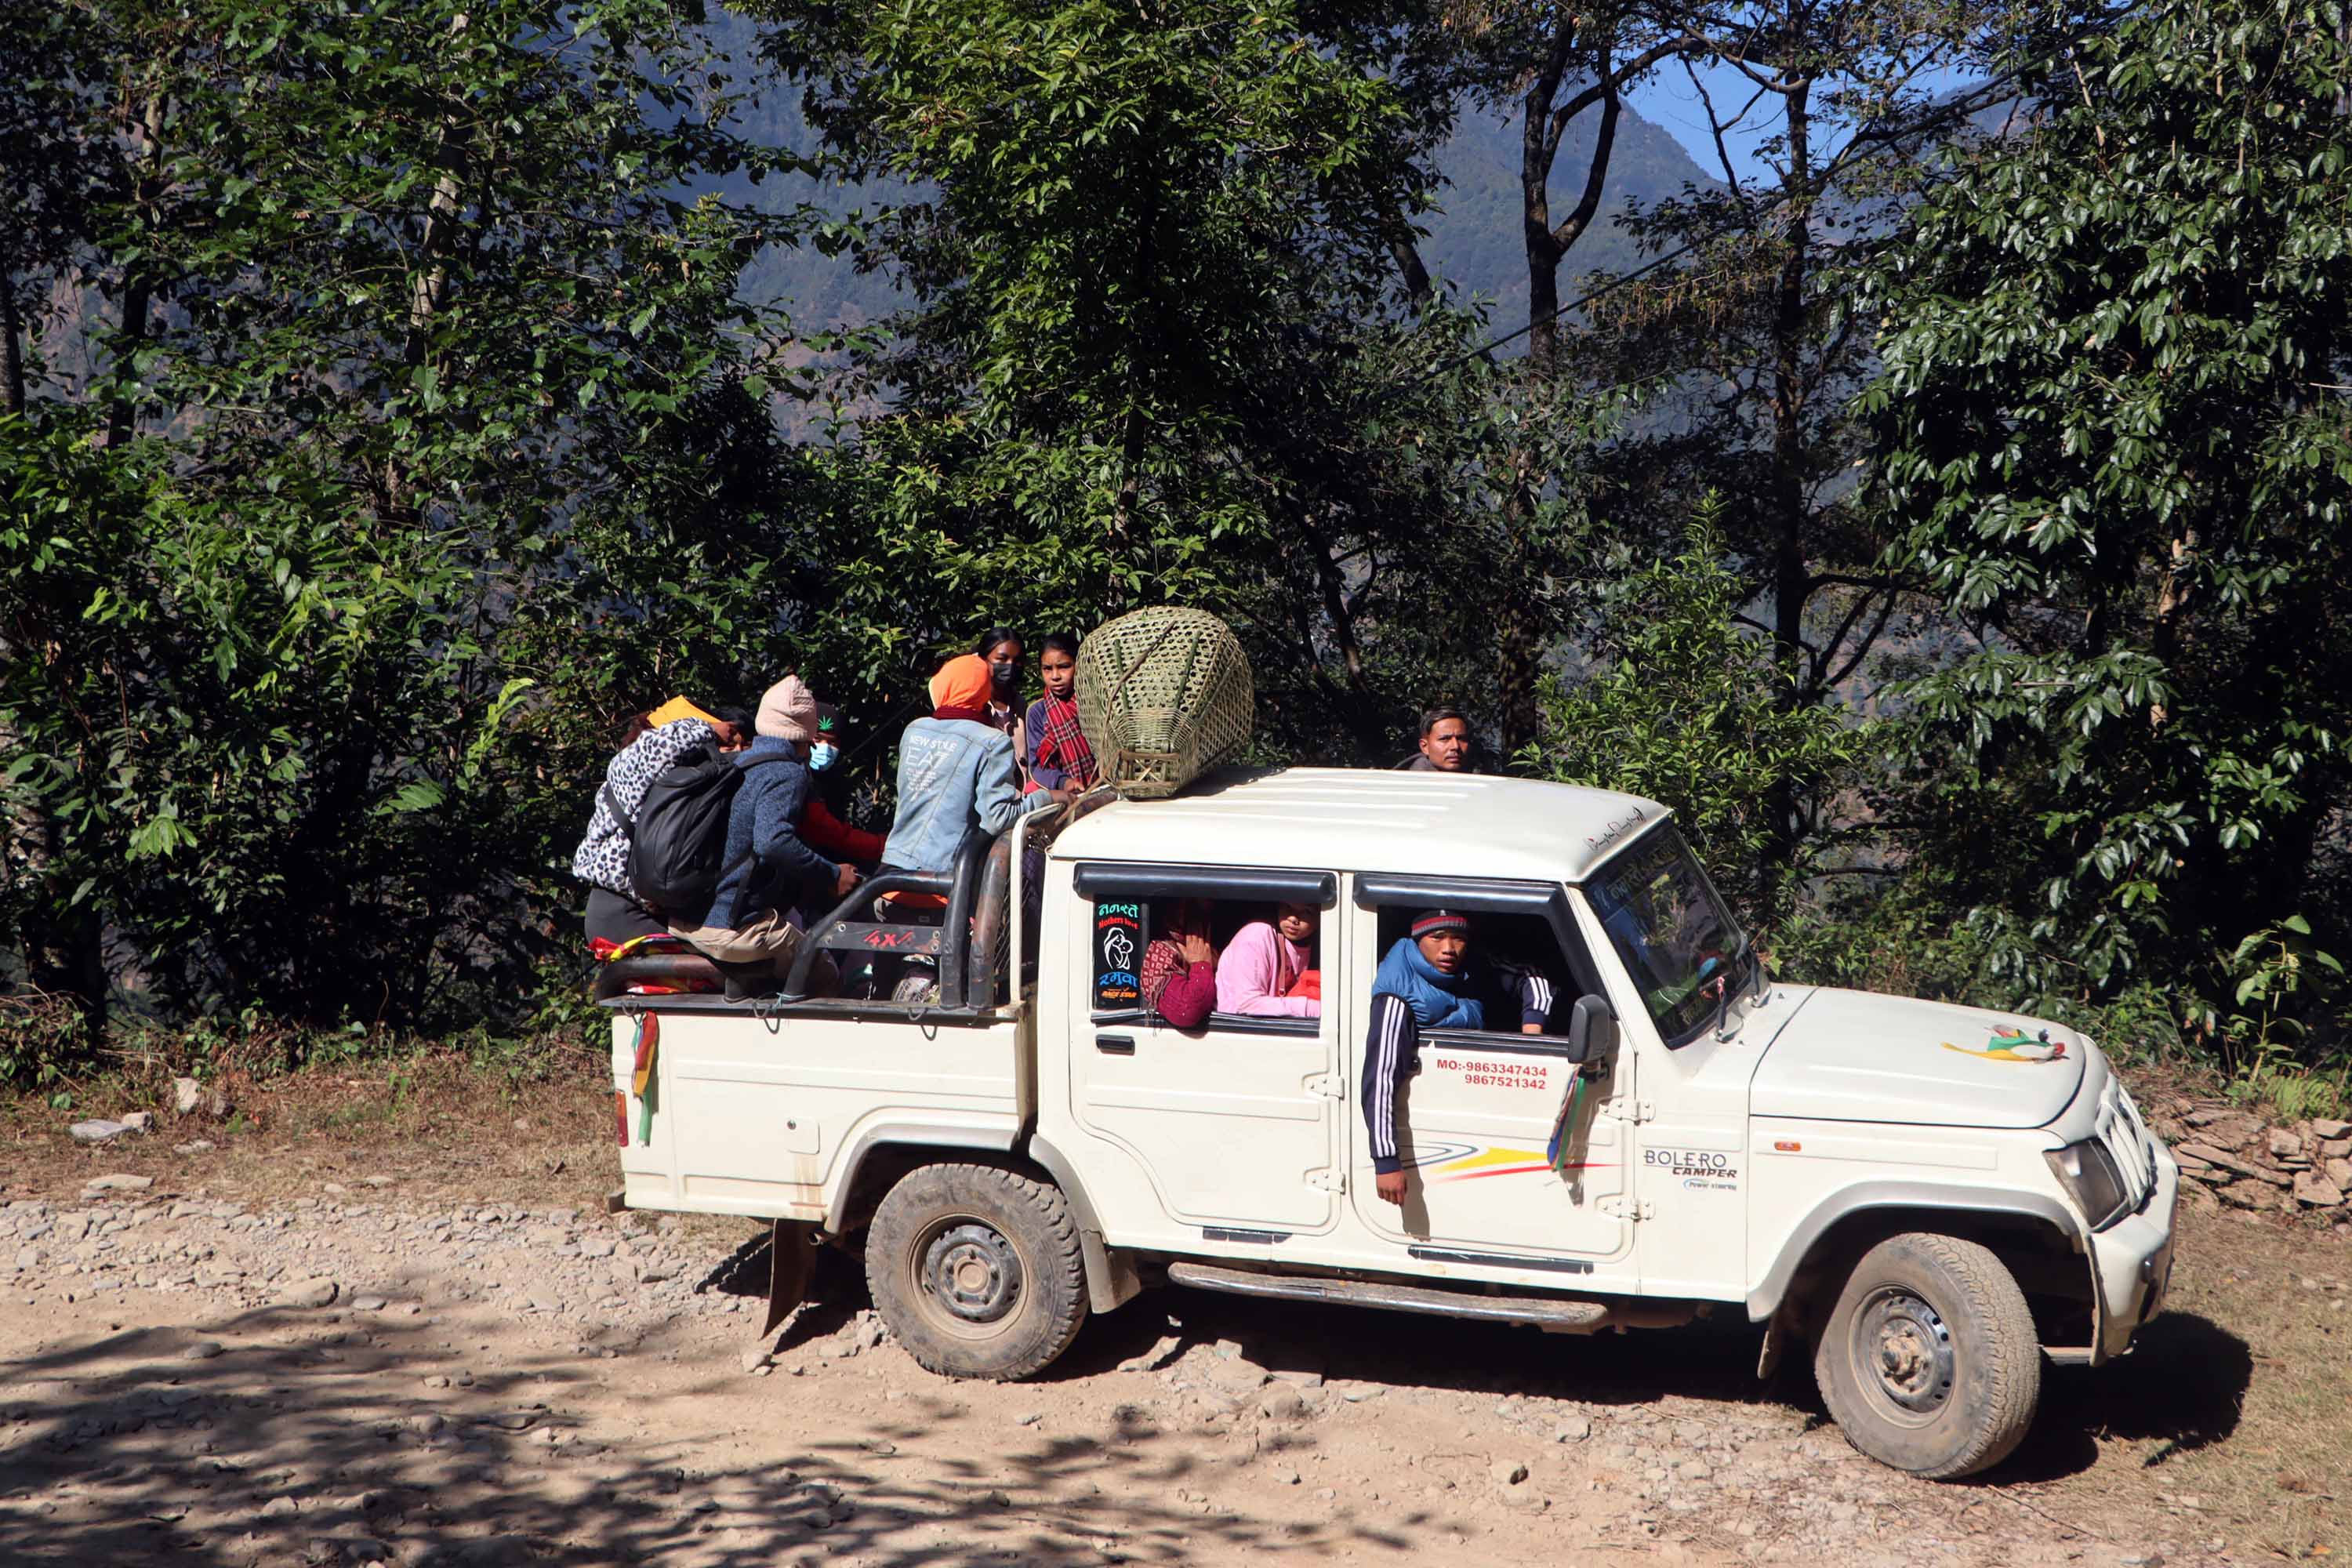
{"points": [[1668, 101]]}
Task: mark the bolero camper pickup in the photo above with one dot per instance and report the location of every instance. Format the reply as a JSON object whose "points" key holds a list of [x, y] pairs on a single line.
{"points": [[1933, 1202]]}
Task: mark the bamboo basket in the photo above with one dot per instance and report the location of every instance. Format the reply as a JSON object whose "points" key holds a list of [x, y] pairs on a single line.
{"points": [[1164, 695]]}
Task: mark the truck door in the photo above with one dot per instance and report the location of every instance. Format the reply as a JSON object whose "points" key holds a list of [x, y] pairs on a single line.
{"points": [[1233, 1123], [1476, 1121]]}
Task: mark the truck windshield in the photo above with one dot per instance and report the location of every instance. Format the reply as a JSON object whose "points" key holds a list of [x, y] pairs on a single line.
{"points": [[1670, 929]]}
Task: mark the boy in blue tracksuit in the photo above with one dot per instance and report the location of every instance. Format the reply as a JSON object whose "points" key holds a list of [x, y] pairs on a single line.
{"points": [[1429, 980]]}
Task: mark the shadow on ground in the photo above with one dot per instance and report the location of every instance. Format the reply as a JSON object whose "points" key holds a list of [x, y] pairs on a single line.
{"points": [[2182, 1387], [310, 1440], [323, 1438]]}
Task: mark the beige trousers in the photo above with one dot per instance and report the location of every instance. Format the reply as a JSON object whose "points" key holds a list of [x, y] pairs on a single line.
{"points": [[767, 944]]}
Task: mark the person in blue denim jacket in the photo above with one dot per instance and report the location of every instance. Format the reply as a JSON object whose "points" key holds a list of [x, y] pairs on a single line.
{"points": [[956, 770]]}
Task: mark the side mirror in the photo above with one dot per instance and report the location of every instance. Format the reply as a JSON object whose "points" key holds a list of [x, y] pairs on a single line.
{"points": [[1591, 1028]]}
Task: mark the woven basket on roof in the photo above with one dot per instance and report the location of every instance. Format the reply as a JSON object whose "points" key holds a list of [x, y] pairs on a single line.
{"points": [[1163, 695]]}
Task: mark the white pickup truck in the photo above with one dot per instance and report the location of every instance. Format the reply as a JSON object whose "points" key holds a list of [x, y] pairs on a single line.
{"points": [[1934, 1200]]}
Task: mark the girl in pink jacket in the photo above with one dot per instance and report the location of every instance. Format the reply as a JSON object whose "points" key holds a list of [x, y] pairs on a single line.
{"points": [[1260, 966]]}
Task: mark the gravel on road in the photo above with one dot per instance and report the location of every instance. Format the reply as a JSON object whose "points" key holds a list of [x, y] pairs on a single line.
{"points": [[347, 1377]]}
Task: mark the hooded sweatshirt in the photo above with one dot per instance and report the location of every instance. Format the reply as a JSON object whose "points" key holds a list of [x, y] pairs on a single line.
{"points": [[765, 818]]}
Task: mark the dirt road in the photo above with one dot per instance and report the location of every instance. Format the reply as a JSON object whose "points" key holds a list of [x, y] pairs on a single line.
{"points": [[366, 1373]]}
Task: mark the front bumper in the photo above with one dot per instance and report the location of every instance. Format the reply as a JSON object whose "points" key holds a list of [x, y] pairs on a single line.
{"points": [[2131, 1261]]}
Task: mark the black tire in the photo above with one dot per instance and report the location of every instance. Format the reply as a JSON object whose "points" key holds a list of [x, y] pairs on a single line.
{"points": [[977, 1271], [1929, 1362]]}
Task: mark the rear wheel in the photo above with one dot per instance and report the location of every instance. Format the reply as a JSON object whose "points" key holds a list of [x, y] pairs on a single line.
{"points": [[1929, 1362], [977, 1271]]}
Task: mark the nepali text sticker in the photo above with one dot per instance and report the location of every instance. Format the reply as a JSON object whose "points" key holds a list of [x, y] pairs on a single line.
{"points": [[1118, 950]]}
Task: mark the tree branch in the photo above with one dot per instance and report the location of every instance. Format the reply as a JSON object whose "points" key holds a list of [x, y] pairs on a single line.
{"points": [[1715, 127], [1862, 650], [1596, 174], [1612, 81]]}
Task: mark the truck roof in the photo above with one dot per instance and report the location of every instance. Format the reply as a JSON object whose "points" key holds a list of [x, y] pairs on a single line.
{"points": [[1362, 819]]}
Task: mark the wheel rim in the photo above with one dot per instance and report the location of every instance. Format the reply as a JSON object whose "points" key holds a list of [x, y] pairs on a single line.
{"points": [[969, 1277], [1901, 1353]]}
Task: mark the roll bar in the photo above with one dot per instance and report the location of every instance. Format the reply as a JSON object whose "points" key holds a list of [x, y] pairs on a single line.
{"points": [[843, 931]]}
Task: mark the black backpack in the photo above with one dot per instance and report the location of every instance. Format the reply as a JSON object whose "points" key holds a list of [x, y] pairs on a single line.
{"points": [[677, 840]]}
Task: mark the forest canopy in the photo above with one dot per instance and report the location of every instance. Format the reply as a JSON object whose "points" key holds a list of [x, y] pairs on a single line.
{"points": [[1943, 510]]}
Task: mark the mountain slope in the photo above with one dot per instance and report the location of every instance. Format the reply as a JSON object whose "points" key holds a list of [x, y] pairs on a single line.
{"points": [[1474, 241], [1473, 237]]}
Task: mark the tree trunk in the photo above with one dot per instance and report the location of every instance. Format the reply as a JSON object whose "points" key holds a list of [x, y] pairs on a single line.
{"points": [[12, 361], [2171, 599], [138, 283], [1358, 704], [428, 291], [1518, 632], [1538, 148], [68, 956], [1518, 628], [1132, 438], [1791, 578]]}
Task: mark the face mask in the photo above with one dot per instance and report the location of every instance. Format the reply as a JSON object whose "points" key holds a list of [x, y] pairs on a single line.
{"points": [[822, 756]]}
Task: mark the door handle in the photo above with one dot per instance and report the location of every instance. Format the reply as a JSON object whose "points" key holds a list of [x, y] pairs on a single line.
{"points": [[1115, 1044]]}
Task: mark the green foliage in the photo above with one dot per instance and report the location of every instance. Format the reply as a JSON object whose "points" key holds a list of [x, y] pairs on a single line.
{"points": [[2114, 433], [40, 1034], [244, 730], [1684, 707], [1747, 349], [52, 178], [1159, 353], [2278, 972], [384, 425], [392, 302]]}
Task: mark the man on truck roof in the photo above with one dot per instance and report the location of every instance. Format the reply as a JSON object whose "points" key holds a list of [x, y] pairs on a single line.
{"points": [[1446, 746], [1431, 979]]}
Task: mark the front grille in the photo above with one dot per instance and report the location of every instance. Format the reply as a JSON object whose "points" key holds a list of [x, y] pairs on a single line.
{"points": [[2125, 1138]]}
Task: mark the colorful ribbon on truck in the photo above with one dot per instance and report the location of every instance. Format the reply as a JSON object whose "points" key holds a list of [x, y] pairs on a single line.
{"points": [[641, 1078]]}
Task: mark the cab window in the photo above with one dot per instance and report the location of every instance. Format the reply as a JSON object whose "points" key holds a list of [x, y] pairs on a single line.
{"points": [[1263, 948], [1518, 964], [1678, 941]]}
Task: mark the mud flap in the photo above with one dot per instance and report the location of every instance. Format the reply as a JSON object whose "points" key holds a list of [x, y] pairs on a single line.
{"points": [[1786, 1327], [792, 1255]]}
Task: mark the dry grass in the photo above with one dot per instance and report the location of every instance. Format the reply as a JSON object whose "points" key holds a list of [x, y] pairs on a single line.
{"points": [[2232, 1419], [444, 1126]]}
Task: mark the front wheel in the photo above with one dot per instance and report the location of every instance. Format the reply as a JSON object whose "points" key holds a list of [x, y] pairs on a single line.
{"points": [[1929, 1362], [977, 1271]]}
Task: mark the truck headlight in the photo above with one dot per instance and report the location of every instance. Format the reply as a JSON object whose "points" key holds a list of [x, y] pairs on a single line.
{"points": [[2088, 1174]]}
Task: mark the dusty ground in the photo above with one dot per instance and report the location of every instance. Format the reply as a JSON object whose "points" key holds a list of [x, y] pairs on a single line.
{"points": [[507, 1374]]}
